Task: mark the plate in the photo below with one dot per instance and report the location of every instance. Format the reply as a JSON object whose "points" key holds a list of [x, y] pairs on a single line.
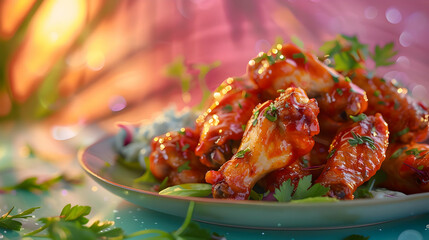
{"points": [[99, 161]]}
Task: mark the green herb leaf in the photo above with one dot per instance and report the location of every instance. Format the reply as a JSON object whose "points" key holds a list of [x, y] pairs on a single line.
{"points": [[242, 153], [163, 184], [183, 167], [331, 153], [255, 196], [284, 192], [398, 152], [300, 55], [281, 90], [357, 140], [185, 147], [188, 190], [147, 177], [377, 93], [358, 118], [339, 91], [303, 189], [7, 221], [227, 108], [382, 56], [243, 127], [271, 113], [414, 151], [402, 132], [315, 200], [297, 41], [32, 184], [255, 116], [345, 62]]}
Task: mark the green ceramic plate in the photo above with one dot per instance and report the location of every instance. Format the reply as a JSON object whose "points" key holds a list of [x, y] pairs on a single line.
{"points": [[99, 161]]}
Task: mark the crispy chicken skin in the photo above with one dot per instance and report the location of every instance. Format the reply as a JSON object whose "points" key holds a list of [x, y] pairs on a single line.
{"points": [[356, 154], [408, 119], [288, 66], [173, 157], [279, 132], [222, 125], [407, 168]]}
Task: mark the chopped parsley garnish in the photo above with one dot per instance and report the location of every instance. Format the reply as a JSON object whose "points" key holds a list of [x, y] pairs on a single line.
{"points": [[243, 127], [402, 132], [181, 131], [420, 167], [242, 153], [255, 116], [347, 79], [335, 78], [358, 118], [285, 193], [377, 93], [414, 151], [339, 91], [381, 103], [281, 90], [271, 113], [396, 105], [245, 94], [227, 108], [300, 55], [358, 140], [331, 153], [185, 147], [183, 167], [239, 105], [398, 152]]}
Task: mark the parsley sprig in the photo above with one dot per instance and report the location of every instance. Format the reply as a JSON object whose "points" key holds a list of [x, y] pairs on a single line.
{"points": [[304, 190], [358, 140], [33, 184], [7, 220], [347, 53], [72, 223]]}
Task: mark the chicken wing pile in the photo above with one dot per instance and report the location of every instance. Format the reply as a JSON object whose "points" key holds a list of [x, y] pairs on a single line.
{"points": [[292, 116]]}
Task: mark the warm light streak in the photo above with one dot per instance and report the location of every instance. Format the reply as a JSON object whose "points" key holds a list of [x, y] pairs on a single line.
{"points": [[52, 31], [12, 12]]}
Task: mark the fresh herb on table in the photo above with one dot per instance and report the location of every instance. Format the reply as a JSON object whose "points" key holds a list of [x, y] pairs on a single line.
{"points": [[72, 224], [33, 184], [7, 220], [304, 190]]}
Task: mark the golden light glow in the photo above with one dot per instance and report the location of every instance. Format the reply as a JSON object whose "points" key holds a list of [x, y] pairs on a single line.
{"points": [[53, 29], [12, 13]]}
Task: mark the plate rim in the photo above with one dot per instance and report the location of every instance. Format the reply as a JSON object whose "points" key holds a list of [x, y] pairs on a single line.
{"points": [[343, 203]]}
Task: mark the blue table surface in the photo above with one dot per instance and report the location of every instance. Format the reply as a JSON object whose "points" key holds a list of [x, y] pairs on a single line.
{"points": [[132, 218]]}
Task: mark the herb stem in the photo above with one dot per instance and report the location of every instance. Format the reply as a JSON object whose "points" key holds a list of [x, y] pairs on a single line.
{"points": [[187, 219], [32, 234], [149, 231]]}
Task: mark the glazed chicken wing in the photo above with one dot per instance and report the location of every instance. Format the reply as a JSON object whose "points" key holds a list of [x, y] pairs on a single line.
{"points": [[356, 154], [222, 125], [173, 157], [288, 66], [408, 119], [279, 132], [407, 168]]}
